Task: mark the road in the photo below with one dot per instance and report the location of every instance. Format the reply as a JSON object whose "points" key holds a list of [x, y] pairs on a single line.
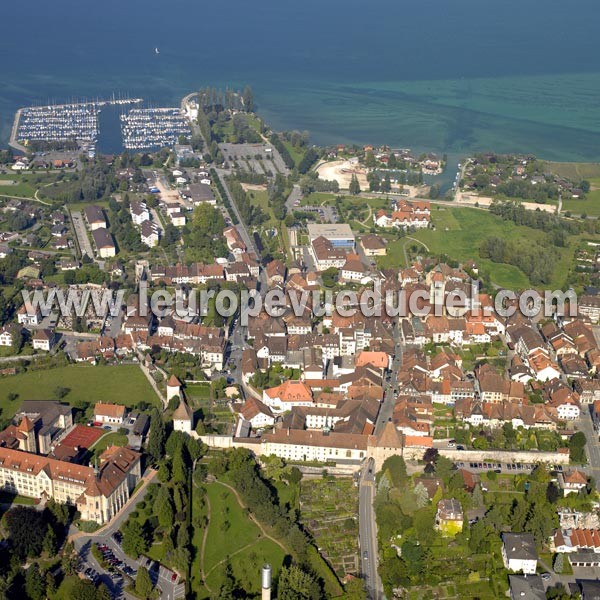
{"points": [[83, 545], [295, 196], [367, 526], [367, 532], [592, 447], [241, 226]]}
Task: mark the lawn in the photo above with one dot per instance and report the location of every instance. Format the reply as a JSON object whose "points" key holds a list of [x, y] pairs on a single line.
{"points": [[459, 232], [123, 384], [261, 198], [295, 153], [111, 439], [229, 531], [24, 185]]}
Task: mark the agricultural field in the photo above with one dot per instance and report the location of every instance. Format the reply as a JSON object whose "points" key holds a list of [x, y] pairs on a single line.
{"points": [[328, 508], [124, 384]]}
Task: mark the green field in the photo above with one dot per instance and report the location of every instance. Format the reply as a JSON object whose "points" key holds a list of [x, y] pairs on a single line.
{"points": [[295, 153], [231, 534], [589, 206], [574, 170], [24, 185], [124, 384], [458, 234]]}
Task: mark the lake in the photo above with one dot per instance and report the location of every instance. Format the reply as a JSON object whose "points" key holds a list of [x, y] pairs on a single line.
{"points": [[451, 76]]}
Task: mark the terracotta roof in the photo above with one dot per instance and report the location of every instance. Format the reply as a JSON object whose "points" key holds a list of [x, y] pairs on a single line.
{"points": [[173, 382], [115, 411], [389, 437]]}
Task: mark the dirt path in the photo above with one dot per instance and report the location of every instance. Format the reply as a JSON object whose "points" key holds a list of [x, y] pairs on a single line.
{"points": [[263, 534], [204, 545], [252, 517], [364, 223]]}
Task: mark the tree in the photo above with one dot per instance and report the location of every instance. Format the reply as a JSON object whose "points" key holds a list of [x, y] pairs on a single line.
{"points": [[295, 584], [143, 583], [559, 563], [180, 465], [552, 493], [248, 99], [354, 187], [477, 496], [577, 447], [35, 585], [355, 589], [135, 538], [60, 392], [49, 545], [26, 530], [396, 468], [163, 507], [156, 439], [69, 559], [431, 455], [50, 584], [421, 495]]}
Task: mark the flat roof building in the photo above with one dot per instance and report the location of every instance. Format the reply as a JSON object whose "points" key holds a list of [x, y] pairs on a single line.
{"points": [[339, 234]]}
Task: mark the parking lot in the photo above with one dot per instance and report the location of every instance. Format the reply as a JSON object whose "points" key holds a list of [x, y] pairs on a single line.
{"points": [[81, 233], [118, 569], [245, 155], [326, 214]]}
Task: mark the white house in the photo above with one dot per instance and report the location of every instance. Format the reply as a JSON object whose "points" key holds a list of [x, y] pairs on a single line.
{"points": [[112, 414], [519, 553], [257, 413], [43, 339], [24, 318], [149, 234]]}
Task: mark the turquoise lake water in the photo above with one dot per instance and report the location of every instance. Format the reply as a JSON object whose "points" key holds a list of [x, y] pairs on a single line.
{"points": [[446, 75]]}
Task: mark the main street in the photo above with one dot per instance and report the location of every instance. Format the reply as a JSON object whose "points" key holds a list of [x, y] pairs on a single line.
{"points": [[367, 532], [367, 526]]}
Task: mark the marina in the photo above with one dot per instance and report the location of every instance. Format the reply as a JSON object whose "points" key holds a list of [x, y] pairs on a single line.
{"points": [[147, 128], [76, 122], [59, 123]]}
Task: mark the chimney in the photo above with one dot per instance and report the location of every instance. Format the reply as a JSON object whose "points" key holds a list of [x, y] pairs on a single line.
{"points": [[266, 582]]}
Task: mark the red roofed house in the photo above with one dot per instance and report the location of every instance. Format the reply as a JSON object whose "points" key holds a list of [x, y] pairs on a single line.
{"points": [[287, 395], [109, 413]]}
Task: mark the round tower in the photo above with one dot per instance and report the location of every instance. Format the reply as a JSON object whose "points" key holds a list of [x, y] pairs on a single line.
{"points": [[266, 582]]}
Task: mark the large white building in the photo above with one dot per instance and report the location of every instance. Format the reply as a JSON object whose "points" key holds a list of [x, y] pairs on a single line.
{"points": [[98, 494]]}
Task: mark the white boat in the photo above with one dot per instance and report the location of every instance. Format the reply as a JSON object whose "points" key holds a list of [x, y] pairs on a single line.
{"points": [[156, 50]]}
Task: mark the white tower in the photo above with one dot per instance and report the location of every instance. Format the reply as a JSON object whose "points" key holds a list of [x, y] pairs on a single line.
{"points": [[266, 582]]}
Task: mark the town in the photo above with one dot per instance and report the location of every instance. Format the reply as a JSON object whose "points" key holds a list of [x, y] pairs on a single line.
{"points": [[453, 454]]}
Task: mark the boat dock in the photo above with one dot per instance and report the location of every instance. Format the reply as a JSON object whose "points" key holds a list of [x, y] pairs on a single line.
{"points": [[147, 128]]}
